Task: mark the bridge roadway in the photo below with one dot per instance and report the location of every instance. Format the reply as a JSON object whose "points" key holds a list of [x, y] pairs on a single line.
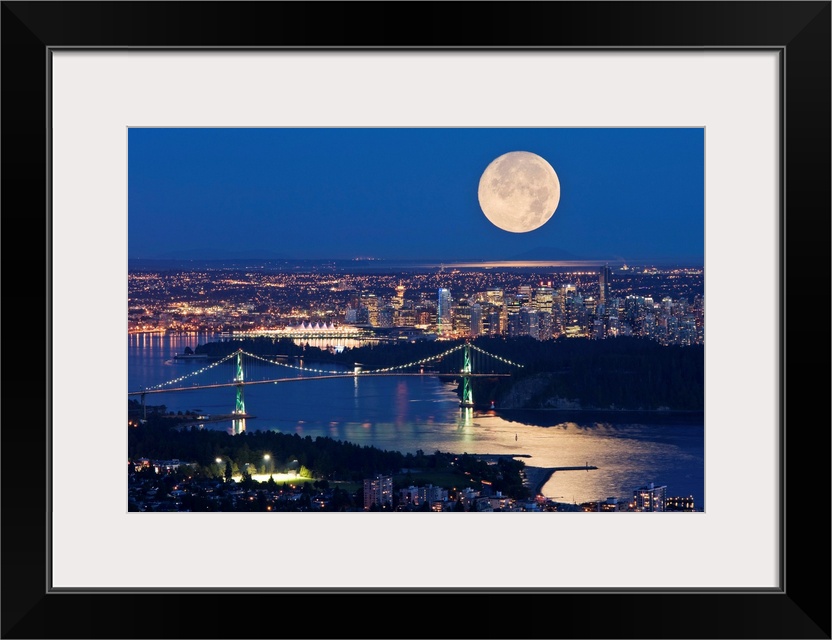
{"points": [[246, 383]]}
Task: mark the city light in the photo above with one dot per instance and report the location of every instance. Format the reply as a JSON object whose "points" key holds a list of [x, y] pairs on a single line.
{"points": [[665, 306]]}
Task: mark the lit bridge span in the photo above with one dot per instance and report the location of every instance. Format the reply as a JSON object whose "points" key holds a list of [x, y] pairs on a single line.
{"points": [[465, 371]]}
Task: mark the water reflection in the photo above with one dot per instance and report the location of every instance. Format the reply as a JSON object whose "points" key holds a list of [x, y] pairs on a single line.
{"points": [[408, 414]]}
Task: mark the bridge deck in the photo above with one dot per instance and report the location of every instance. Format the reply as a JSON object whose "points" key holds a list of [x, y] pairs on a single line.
{"points": [[246, 383]]}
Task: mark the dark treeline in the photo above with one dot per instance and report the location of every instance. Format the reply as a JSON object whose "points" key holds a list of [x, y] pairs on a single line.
{"points": [[163, 437], [629, 373], [620, 373]]}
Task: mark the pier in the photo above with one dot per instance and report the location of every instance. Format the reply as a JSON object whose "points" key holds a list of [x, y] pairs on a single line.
{"points": [[536, 477]]}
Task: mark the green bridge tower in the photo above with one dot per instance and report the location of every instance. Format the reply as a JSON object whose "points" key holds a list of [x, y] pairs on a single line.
{"points": [[467, 396], [239, 424]]}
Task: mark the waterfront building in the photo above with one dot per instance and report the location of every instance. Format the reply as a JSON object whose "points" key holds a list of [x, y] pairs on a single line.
{"points": [[386, 316], [405, 317], [680, 503], [650, 498]]}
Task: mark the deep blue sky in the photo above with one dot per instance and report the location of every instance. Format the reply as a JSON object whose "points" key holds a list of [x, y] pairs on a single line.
{"points": [[328, 193]]}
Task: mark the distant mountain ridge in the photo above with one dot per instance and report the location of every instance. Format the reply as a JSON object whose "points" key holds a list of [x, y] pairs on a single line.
{"points": [[547, 253]]}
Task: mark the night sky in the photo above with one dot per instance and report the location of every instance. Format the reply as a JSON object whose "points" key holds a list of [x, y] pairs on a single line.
{"points": [[632, 195]]}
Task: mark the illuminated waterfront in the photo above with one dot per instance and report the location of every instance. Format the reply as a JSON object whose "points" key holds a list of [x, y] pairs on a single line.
{"points": [[411, 414]]}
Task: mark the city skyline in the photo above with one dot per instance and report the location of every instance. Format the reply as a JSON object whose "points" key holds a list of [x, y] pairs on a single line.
{"points": [[399, 291], [626, 195]]}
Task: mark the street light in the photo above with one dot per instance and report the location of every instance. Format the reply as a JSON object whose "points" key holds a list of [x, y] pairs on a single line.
{"points": [[268, 459]]}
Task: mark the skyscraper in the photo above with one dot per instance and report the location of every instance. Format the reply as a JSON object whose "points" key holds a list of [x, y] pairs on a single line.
{"points": [[398, 301], [443, 312], [476, 319], [543, 298], [604, 284]]}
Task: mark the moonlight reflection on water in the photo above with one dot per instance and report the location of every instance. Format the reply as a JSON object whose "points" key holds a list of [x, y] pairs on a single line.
{"points": [[409, 414]]}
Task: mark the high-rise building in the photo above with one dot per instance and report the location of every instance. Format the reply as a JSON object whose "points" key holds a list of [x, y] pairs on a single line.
{"points": [[378, 491], [612, 326], [405, 317], [398, 300], [545, 327], [495, 296], [514, 327], [462, 317], [495, 326], [650, 498], [534, 323], [544, 299], [476, 319], [386, 316], [371, 302], [604, 284], [443, 312], [524, 320]]}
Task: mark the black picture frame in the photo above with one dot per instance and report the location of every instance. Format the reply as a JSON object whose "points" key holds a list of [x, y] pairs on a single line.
{"points": [[799, 31]]}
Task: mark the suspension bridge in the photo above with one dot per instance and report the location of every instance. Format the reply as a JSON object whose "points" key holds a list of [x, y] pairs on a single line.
{"points": [[468, 361]]}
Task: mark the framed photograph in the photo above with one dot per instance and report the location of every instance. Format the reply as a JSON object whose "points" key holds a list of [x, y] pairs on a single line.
{"points": [[672, 164]]}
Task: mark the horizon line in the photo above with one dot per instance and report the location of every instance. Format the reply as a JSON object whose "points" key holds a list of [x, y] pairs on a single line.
{"points": [[438, 261]]}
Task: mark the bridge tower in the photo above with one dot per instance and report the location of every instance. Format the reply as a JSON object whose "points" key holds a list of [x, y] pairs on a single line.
{"points": [[467, 397], [239, 424]]}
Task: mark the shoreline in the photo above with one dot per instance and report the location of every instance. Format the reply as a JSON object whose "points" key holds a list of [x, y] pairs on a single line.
{"points": [[588, 410], [536, 477]]}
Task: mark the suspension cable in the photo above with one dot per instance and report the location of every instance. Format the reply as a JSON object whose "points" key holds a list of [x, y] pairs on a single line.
{"points": [[192, 373]]}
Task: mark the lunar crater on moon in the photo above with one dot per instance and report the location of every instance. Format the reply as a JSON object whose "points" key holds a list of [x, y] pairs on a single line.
{"points": [[519, 191]]}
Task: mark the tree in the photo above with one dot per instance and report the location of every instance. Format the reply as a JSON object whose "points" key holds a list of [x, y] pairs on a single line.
{"points": [[247, 483], [228, 470]]}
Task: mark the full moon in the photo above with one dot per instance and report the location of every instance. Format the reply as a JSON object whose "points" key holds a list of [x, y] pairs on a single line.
{"points": [[519, 191]]}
